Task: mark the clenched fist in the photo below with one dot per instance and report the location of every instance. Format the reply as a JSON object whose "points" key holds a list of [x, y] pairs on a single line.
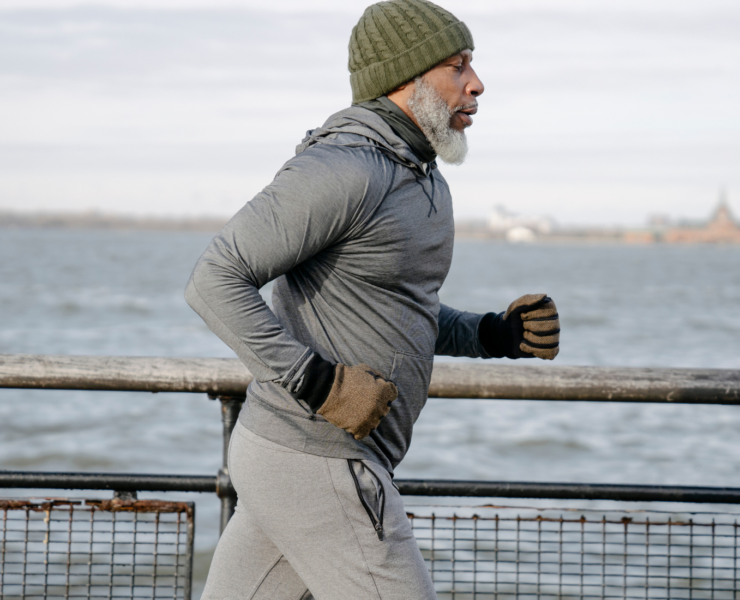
{"points": [[352, 398], [529, 328], [359, 398]]}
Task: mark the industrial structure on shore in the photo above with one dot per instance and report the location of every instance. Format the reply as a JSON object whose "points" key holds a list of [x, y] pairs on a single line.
{"points": [[721, 228], [501, 224]]}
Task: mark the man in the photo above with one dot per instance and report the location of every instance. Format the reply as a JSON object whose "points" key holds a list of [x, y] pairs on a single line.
{"points": [[357, 232]]}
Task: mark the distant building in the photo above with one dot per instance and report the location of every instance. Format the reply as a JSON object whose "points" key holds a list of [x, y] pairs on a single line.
{"points": [[721, 229], [506, 226], [520, 235], [639, 237], [515, 228]]}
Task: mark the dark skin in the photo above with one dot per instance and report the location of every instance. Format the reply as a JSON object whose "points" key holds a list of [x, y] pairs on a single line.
{"points": [[456, 81]]}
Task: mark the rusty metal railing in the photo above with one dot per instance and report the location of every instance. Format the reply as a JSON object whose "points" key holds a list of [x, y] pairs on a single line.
{"points": [[227, 380], [120, 548], [224, 377], [458, 560], [510, 552]]}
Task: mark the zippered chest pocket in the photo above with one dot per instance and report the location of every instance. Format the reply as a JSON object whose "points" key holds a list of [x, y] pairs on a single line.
{"points": [[375, 505]]}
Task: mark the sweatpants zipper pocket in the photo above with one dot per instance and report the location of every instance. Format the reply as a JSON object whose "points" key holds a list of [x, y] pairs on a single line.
{"points": [[376, 521]]}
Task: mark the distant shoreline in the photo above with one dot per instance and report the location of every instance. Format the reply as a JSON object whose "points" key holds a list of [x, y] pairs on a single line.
{"points": [[92, 220], [714, 233], [9, 220]]}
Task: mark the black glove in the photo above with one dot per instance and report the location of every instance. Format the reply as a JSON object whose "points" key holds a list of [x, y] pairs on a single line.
{"points": [[318, 377], [529, 328]]}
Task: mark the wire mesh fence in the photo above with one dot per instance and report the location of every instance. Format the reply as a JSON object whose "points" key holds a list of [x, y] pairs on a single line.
{"points": [[144, 549], [95, 549], [507, 553]]}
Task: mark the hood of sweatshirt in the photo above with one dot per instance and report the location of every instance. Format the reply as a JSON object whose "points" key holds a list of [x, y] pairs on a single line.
{"points": [[358, 127]]}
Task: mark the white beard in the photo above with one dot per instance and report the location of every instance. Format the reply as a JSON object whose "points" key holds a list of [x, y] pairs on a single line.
{"points": [[433, 116]]}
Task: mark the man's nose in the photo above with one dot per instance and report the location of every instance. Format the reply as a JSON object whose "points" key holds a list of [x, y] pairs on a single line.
{"points": [[475, 86]]}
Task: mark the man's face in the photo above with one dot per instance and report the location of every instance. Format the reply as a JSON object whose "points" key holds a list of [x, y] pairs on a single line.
{"points": [[456, 82], [441, 102]]}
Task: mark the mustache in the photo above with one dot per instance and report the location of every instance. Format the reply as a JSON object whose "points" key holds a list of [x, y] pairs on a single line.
{"points": [[473, 104]]}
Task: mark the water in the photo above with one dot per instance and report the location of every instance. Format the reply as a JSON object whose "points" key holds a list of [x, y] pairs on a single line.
{"points": [[120, 293]]}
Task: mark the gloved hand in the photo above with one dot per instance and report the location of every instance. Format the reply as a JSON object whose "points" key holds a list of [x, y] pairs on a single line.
{"points": [[529, 328], [352, 398]]}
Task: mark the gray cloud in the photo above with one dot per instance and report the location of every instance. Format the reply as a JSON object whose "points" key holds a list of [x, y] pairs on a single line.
{"points": [[638, 92]]}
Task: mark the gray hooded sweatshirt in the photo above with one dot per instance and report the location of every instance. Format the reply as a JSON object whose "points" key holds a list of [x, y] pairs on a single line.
{"points": [[357, 233]]}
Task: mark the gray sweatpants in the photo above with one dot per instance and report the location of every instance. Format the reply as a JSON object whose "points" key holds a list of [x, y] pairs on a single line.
{"points": [[301, 524]]}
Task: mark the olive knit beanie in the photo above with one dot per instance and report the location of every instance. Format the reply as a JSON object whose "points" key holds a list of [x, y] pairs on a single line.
{"points": [[398, 40]]}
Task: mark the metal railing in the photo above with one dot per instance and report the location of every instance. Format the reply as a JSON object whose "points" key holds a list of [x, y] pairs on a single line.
{"points": [[504, 552], [224, 377], [227, 380], [96, 548]]}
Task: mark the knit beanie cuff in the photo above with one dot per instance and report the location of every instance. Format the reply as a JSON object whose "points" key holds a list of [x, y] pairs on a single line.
{"points": [[377, 79]]}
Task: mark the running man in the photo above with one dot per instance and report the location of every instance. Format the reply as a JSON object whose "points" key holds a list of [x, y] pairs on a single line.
{"points": [[356, 231]]}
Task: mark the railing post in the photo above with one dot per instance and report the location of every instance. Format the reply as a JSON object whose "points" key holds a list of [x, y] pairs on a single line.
{"points": [[230, 407]]}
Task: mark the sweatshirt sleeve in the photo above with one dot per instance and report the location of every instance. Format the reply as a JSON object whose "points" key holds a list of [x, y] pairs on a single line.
{"points": [[458, 333], [309, 206]]}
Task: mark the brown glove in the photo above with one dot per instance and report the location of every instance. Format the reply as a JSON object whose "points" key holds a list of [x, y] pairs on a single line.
{"points": [[358, 400], [529, 328], [541, 325]]}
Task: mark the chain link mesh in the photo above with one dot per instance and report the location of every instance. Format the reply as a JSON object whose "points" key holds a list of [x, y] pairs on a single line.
{"points": [[143, 549], [61, 549], [506, 553]]}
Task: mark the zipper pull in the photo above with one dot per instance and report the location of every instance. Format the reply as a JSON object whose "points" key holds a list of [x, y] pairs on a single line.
{"points": [[379, 531]]}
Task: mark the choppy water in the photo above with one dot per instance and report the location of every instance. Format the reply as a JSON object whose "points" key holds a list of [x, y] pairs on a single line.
{"points": [[118, 293]]}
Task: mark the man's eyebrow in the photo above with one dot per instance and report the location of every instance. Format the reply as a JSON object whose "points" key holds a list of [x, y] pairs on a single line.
{"points": [[462, 55]]}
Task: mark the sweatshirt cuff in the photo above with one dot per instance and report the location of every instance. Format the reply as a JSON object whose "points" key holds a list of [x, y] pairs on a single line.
{"points": [[494, 335], [316, 383]]}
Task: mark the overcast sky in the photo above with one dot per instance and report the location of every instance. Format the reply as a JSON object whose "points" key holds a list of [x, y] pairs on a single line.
{"points": [[596, 111]]}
